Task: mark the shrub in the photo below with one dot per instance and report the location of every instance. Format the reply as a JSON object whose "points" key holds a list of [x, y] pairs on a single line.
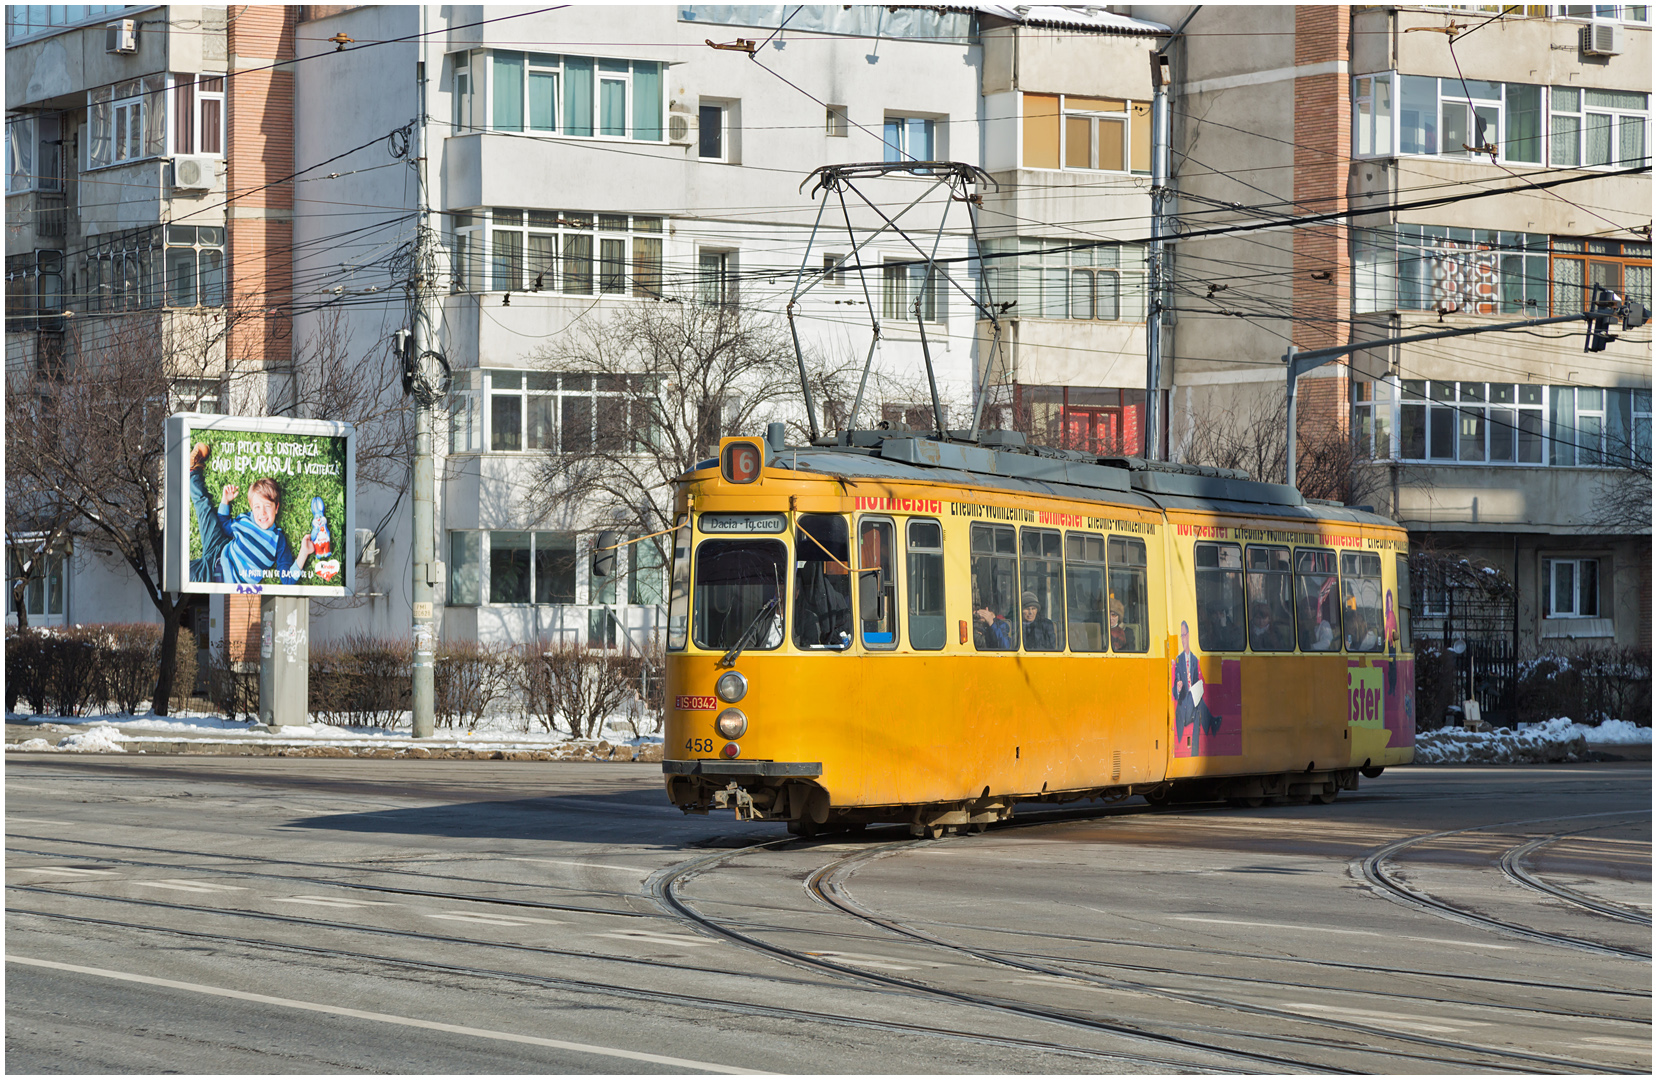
{"points": [[360, 679], [73, 669], [470, 675], [581, 686], [1589, 685], [233, 683], [26, 668], [131, 661], [1435, 684]]}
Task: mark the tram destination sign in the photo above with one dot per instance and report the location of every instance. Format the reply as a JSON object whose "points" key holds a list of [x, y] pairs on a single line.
{"points": [[743, 523]]}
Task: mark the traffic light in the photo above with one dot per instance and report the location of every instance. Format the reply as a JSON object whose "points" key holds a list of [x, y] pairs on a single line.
{"points": [[604, 554], [1605, 307], [1634, 315]]}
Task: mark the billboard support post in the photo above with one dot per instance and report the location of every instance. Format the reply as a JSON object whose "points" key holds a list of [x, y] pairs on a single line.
{"points": [[284, 660]]}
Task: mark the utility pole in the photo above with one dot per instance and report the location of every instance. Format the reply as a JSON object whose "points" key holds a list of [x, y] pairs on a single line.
{"points": [[1598, 317], [1153, 284], [417, 380]]}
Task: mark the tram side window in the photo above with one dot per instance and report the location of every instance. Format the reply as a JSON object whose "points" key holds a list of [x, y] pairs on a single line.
{"points": [[1271, 599], [928, 624], [678, 597], [877, 584], [822, 583], [1398, 633], [995, 615], [1316, 599], [1220, 597], [1085, 604], [735, 581], [1130, 629], [1361, 601], [1041, 570]]}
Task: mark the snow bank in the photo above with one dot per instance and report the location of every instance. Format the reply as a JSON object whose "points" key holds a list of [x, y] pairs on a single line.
{"points": [[1550, 741], [99, 740]]}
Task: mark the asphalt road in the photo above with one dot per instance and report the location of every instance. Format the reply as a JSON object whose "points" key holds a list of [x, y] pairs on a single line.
{"points": [[271, 915]]}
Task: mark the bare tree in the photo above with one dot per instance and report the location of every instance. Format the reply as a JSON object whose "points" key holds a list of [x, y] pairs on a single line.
{"points": [[668, 380], [1622, 490], [1329, 462]]}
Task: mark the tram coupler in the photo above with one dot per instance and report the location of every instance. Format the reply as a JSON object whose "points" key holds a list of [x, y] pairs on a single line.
{"points": [[735, 798]]}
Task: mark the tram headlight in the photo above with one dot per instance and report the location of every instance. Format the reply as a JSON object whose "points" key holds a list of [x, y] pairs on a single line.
{"points": [[732, 687], [732, 724]]}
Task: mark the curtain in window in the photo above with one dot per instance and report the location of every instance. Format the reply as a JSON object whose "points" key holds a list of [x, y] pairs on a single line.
{"points": [[1567, 286], [99, 115], [184, 109], [20, 157], [508, 91], [155, 116], [1630, 141], [612, 107], [647, 101], [543, 101], [578, 95], [1597, 145]]}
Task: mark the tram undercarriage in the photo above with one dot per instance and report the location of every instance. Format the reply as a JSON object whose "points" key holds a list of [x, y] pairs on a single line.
{"points": [[807, 809]]}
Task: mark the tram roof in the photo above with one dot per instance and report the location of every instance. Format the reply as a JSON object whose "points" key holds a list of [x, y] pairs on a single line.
{"points": [[1122, 481]]}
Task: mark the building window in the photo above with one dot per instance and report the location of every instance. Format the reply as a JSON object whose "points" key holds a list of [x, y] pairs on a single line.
{"points": [[524, 567], [1598, 128], [34, 291], [716, 277], [123, 271], [195, 266], [545, 94], [1053, 279], [26, 20], [1501, 423], [906, 284], [837, 122], [34, 152], [717, 131], [126, 122], [44, 594], [197, 395], [1572, 588], [1580, 267], [1097, 420], [1422, 114], [465, 558], [513, 250], [1103, 134], [910, 138], [550, 411], [198, 114]]}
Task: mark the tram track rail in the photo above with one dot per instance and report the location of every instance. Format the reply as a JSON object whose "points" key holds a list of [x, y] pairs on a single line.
{"points": [[1513, 865], [1373, 868], [668, 883], [828, 885], [607, 989]]}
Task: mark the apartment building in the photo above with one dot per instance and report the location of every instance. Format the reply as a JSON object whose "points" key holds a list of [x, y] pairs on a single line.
{"points": [[571, 181], [145, 152], [1489, 164]]}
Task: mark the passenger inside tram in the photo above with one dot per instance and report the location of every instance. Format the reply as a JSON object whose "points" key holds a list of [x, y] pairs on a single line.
{"points": [[1039, 633], [989, 630], [822, 583]]}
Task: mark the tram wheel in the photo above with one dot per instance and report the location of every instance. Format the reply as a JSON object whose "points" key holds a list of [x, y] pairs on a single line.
{"points": [[804, 828], [936, 832], [1158, 797], [1324, 798]]}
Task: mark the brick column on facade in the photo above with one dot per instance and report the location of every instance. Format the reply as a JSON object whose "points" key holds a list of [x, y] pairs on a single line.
{"points": [[1322, 164], [259, 162]]}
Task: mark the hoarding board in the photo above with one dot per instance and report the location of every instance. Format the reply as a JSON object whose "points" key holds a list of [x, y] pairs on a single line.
{"points": [[260, 505]]}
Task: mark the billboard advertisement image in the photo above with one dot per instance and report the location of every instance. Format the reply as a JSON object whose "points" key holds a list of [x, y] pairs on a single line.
{"points": [[261, 505]]}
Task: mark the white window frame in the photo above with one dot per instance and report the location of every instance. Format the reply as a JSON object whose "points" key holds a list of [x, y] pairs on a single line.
{"points": [[934, 127], [1552, 608], [1094, 115], [187, 132], [716, 276], [200, 239], [729, 129], [38, 593], [1571, 102], [34, 152], [475, 111]]}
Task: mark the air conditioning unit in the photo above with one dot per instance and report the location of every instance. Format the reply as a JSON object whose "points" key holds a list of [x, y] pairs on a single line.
{"points": [[194, 172], [121, 36], [1602, 38], [678, 130]]}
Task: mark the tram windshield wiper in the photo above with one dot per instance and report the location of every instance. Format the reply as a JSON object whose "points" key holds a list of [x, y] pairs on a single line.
{"points": [[729, 659]]}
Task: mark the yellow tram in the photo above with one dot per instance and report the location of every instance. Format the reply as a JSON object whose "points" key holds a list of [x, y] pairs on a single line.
{"points": [[925, 631]]}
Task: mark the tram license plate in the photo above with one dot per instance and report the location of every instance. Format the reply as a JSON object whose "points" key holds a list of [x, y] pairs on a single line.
{"points": [[695, 703]]}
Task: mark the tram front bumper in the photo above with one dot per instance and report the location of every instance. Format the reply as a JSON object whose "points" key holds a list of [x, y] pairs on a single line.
{"points": [[706, 767]]}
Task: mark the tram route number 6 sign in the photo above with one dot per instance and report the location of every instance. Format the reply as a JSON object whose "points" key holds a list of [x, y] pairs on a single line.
{"points": [[740, 460]]}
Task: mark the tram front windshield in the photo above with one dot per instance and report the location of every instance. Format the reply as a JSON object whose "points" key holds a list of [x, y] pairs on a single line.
{"points": [[735, 579]]}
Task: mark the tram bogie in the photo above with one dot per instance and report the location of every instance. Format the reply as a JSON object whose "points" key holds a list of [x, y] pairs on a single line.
{"points": [[923, 633]]}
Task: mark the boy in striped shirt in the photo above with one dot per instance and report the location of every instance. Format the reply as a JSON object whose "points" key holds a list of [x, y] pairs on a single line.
{"points": [[244, 549]]}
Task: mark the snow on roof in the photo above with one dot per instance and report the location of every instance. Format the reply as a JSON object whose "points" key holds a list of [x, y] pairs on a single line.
{"points": [[1066, 17]]}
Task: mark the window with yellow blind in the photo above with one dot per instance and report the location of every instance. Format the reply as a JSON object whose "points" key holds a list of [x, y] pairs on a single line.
{"points": [[1062, 131]]}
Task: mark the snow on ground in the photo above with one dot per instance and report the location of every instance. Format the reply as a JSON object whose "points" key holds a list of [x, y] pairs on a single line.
{"points": [[1552, 740], [121, 733]]}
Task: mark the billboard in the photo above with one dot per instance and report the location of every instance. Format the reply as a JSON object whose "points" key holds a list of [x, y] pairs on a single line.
{"points": [[260, 505]]}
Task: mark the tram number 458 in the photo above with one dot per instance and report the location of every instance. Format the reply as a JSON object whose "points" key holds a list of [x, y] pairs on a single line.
{"points": [[699, 746]]}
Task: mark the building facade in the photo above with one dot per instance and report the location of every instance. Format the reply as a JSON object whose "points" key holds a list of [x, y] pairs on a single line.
{"points": [[1383, 171]]}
